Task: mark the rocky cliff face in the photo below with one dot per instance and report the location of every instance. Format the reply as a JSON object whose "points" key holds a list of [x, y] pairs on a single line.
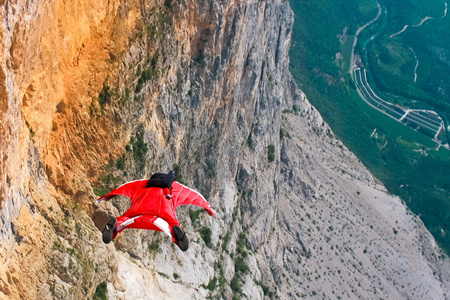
{"points": [[95, 93]]}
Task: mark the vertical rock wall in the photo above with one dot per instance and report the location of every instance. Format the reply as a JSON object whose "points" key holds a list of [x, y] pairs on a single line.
{"points": [[95, 93]]}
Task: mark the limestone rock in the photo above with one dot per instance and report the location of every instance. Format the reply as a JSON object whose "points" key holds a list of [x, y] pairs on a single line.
{"points": [[95, 93]]}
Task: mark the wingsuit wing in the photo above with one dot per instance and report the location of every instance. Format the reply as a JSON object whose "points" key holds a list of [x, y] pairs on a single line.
{"points": [[182, 194], [130, 189]]}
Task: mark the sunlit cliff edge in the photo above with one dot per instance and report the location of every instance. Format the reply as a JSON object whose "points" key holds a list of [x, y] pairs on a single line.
{"points": [[96, 93]]}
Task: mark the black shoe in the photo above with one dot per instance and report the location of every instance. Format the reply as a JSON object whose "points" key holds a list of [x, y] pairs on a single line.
{"points": [[109, 230], [180, 236]]}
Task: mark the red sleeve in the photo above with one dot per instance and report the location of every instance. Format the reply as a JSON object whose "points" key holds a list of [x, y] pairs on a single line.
{"points": [[182, 194]]}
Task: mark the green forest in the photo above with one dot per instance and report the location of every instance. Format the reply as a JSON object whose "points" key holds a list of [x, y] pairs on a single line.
{"points": [[409, 60], [404, 160]]}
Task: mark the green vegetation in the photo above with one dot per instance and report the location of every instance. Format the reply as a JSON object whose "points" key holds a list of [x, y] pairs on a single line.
{"points": [[295, 110], [219, 282], [101, 292], [250, 142], [100, 191], [271, 153], [225, 241], [32, 132], [58, 246], [114, 172], [282, 133], [154, 245], [147, 74], [265, 288], [120, 164], [393, 55], [105, 96], [106, 181], [240, 266], [241, 244], [236, 287], [404, 160], [127, 95], [211, 285], [157, 23], [179, 173], [139, 148], [194, 215], [205, 233]]}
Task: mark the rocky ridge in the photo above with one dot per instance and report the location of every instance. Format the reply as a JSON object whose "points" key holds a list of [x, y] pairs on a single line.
{"points": [[97, 93]]}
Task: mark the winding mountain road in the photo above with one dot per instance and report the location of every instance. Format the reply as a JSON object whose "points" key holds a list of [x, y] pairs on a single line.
{"points": [[426, 121], [414, 118], [355, 41]]}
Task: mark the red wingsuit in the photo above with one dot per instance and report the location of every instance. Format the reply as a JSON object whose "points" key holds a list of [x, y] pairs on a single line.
{"points": [[150, 209]]}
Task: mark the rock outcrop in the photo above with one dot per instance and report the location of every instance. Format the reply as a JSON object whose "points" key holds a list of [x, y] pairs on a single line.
{"points": [[95, 93]]}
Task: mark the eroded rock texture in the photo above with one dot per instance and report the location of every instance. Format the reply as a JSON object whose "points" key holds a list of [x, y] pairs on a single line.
{"points": [[96, 93]]}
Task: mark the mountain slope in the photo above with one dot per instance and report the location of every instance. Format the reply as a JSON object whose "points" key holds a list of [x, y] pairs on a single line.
{"points": [[106, 92]]}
